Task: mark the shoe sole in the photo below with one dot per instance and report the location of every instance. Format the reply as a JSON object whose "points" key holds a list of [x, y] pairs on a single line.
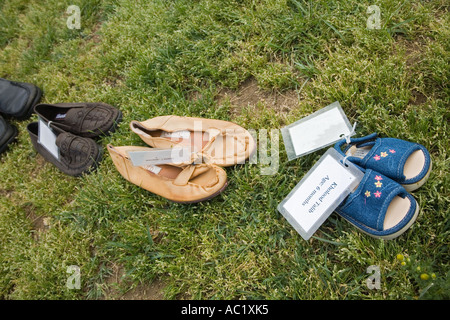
{"points": [[11, 139], [204, 199], [414, 186]]}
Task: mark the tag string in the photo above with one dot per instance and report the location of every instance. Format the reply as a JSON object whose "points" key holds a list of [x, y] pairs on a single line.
{"points": [[347, 137], [344, 160]]}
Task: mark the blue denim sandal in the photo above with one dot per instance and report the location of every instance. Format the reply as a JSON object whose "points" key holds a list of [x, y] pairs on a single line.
{"points": [[405, 162], [379, 207]]}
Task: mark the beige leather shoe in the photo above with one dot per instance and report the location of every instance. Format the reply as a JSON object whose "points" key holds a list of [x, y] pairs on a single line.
{"points": [[183, 184], [219, 142]]}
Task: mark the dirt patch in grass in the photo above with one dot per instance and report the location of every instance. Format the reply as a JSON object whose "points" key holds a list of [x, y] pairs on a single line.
{"points": [[6, 193], [417, 98], [40, 224], [249, 94], [143, 291], [152, 291], [413, 52], [95, 34], [40, 163]]}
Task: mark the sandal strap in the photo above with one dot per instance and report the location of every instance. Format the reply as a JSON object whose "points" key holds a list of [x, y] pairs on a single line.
{"points": [[387, 155], [184, 176]]}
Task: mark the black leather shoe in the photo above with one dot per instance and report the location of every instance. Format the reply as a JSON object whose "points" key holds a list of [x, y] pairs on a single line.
{"points": [[17, 99], [8, 133]]}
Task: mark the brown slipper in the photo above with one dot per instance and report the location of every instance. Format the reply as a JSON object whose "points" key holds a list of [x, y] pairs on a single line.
{"points": [[77, 155], [88, 120]]}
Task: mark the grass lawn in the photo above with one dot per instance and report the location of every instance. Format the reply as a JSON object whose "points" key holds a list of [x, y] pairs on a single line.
{"points": [[262, 65]]}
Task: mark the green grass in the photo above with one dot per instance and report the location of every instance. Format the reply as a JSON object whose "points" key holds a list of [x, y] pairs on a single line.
{"points": [[150, 58]]}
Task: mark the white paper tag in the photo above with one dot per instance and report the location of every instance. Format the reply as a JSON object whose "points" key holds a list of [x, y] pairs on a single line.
{"points": [[154, 169], [182, 134], [316, 131], [319, 193], [47, 138], [160, 156]]}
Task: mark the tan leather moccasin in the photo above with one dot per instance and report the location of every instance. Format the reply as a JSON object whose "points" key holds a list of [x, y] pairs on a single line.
{"points": [[218, 142], [183, 184]]}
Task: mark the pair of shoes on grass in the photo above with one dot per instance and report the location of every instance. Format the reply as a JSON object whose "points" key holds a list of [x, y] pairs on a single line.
{"points": [[75, 126], [381, 206], [17, 100], [211, 144]]}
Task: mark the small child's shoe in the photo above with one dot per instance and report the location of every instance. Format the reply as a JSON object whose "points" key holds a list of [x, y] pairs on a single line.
{"points": [[380, 207], [405, 162]]}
